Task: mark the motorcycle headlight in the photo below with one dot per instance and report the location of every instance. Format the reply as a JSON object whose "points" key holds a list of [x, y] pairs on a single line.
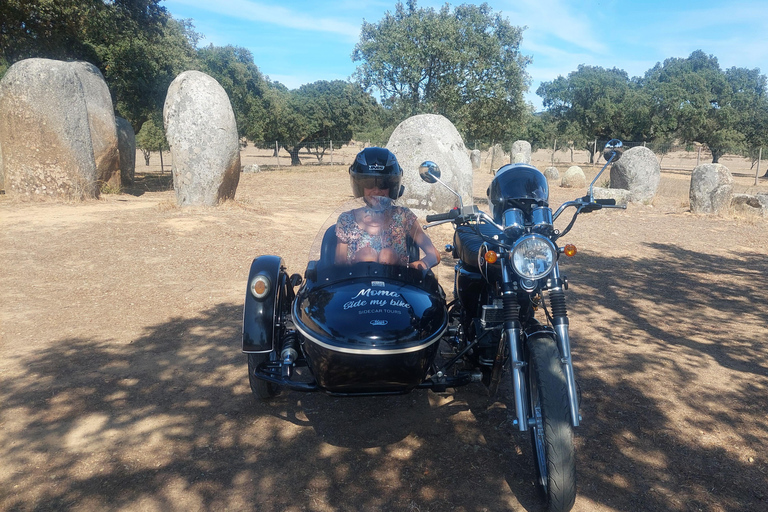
{"points": [[533, 256]]}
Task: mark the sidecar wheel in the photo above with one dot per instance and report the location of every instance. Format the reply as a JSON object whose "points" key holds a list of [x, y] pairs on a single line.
{"points": [[261, 389], [552, 432]]}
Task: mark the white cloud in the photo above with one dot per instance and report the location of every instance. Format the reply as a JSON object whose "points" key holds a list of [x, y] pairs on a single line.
{"points": [[277, 15]]}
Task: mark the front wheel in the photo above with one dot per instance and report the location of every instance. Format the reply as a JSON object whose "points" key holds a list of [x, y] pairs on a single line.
{"points": [[261, 389], [552, 430]]}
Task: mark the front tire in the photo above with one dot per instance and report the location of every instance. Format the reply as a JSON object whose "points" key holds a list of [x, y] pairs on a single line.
{"points": [[552, 432], [261, 389]]}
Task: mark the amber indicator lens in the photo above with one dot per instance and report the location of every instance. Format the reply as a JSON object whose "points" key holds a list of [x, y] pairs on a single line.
{"points": [[569, 250], [491, 257]]}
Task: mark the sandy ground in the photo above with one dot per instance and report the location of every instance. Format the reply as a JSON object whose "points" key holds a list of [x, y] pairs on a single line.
{"points": [[122, 386]]}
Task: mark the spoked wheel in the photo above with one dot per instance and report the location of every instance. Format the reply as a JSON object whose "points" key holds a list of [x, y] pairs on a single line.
{"points": [[552, 432], [261, 389]]}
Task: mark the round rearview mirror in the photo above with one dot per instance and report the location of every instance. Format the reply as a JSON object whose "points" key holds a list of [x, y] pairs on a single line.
{"points": [[613, 149], [429, 172]]}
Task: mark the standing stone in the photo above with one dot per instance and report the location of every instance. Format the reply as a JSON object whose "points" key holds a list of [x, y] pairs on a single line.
{"points": [[498, 158], [101, 120], [521, 151], [551, 173], [45, 132], [711, 189], [431, 137], [126, 142], [573, 178], [476, 158], [638, 171], [201, 130]]}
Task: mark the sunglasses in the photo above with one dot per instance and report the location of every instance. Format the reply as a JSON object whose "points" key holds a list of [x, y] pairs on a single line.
{"points": [[379, 183]]}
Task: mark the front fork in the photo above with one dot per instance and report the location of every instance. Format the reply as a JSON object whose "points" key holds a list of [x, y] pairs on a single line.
{"points": [[513, 334], [560, 323]]}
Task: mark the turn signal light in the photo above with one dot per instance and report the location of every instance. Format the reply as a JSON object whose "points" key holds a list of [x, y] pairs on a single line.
{"points": [[260, 286], [491, 257], [569, 250]]}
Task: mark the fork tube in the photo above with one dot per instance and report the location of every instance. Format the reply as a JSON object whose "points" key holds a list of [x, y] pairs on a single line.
{"points": [[560, 323], [513, 332]]}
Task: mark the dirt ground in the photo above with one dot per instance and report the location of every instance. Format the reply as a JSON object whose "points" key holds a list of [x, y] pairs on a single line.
{"points": [[122, 385]]}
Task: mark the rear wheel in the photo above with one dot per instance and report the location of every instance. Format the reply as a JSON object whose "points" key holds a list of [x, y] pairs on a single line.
{"points": [[261, 389], [552, 431]]}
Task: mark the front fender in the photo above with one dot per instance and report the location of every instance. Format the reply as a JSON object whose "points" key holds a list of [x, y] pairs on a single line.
{"points": [[259, 314]]}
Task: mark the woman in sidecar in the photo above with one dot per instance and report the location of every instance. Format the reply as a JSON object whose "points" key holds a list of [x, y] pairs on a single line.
{"points": [[368, 316]]}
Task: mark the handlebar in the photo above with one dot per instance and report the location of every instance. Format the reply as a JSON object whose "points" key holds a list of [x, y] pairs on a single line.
{"points": [[443, 216]]}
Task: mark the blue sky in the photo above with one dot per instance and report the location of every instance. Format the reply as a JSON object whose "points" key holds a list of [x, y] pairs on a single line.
{"points": [[298, 42]]}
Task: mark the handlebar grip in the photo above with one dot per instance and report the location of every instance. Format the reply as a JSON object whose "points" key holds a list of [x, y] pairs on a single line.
{"points": [[443, 216], [606, 202]]}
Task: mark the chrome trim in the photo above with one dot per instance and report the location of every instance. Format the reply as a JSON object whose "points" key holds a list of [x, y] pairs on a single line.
{"points": [[370, 351], [362, 351]]}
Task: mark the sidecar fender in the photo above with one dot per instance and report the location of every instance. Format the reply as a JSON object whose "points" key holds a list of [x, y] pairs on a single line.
{"points": [[259, 314]]}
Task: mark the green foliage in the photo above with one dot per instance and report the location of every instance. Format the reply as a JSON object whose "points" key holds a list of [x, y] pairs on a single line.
{"points": [[688, 100], [594, 102], [151, 138], [137, 46], [320, 111], [464, 64], [246, 87]]}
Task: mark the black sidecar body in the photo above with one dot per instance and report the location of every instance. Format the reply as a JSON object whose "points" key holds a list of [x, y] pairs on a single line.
{"points": [[366, 328]]}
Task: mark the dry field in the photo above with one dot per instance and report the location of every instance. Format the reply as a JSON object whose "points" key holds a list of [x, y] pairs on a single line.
{"points": [[122, 386]]}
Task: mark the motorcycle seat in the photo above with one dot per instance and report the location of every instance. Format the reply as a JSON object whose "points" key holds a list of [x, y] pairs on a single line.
{"points": [[467, 242]]}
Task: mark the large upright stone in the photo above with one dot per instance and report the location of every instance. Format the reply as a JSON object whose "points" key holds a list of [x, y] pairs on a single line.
{"points": [[126, 141], [573, 178], [101, 120], [476, 158], [711, 189], [638, 171], [201, 130], [45, 132], [498, 157], [521, 152], [431, 137]]}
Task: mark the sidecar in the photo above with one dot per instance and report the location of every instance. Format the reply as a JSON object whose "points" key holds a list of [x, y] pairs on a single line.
{"points": [[360, 329]]}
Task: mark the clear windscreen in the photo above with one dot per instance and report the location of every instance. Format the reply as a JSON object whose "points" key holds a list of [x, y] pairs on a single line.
{"points": [[371, 229]]}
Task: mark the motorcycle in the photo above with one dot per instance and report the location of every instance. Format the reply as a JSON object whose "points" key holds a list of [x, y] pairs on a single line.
{"points": [[369, 328]]}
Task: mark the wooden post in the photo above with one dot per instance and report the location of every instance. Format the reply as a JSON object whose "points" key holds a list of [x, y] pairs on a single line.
{"points": [[331, 152], [554, 148], [757, 171], [162, 170], [698, 156], [594, 152], [277, 157]]}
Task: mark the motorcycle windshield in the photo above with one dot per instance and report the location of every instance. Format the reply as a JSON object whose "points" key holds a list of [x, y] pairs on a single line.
{"points": [[366, 230]]}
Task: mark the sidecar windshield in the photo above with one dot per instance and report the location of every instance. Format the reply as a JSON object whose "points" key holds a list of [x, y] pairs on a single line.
{"points": [[366, 230]]}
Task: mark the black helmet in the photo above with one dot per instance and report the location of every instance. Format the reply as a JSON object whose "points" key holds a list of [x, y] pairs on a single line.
{"points": [[379, 167], [517, 186]]}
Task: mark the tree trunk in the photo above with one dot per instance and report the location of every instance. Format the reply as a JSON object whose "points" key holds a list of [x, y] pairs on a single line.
{"points": [[146, 154], [294, 152]]}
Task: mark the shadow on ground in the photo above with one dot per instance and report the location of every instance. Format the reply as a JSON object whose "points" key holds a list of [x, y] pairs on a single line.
{"points": [[167, 422]]}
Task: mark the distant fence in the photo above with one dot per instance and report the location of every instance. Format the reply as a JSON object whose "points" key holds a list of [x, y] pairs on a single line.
{"points": [[672, 157]]}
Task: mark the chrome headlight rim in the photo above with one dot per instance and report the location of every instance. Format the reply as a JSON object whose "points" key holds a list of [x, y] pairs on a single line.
{"points": [[550, 256]]}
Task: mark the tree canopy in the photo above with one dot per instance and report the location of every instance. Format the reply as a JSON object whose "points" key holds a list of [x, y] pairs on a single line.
{"points": [[136, 44], [464, 64], [317, 113], [687, 99]]}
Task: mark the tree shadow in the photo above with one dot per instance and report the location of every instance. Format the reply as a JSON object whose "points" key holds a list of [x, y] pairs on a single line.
{"points": [[168, 422], [673, 406], [674, 384]]}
